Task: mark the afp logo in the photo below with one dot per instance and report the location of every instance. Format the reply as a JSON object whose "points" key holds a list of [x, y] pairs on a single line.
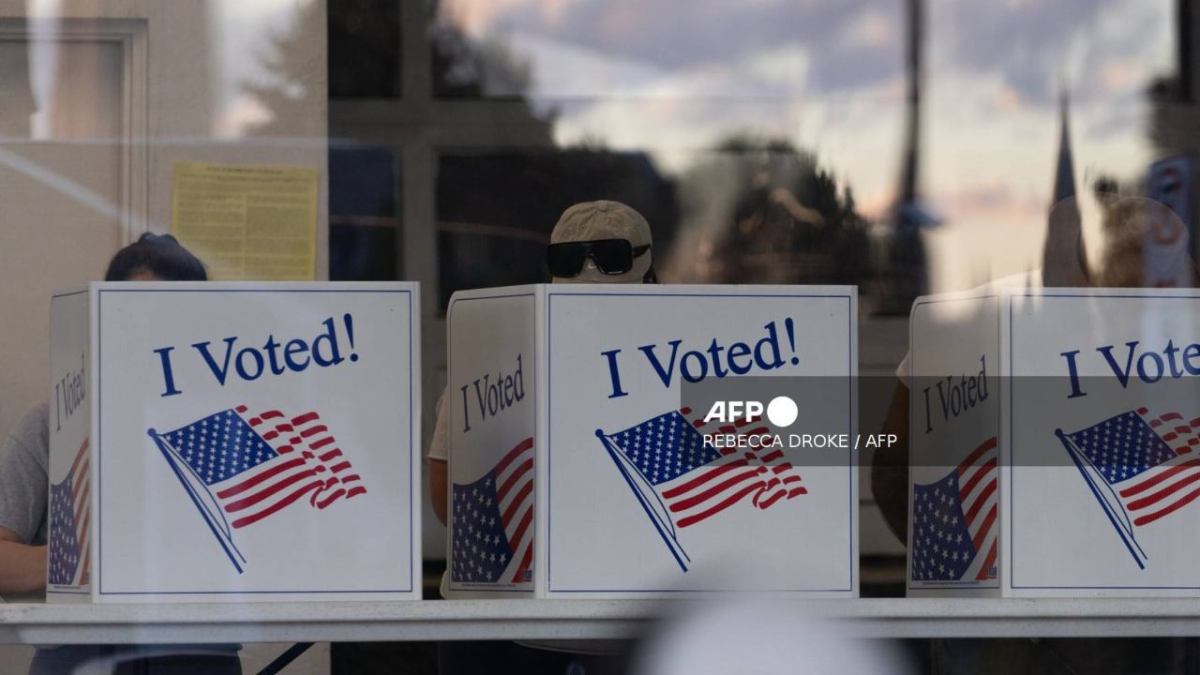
{"points": [[781, 411]]}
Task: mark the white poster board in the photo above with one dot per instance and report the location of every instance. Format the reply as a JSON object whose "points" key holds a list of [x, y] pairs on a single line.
{"points": [[1100, 422], [619, 500], [249, 441], [954, 417]]}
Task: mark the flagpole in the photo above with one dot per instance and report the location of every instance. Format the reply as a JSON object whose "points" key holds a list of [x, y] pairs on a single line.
{"points": [[225, 541], [669, 539], [1126, 536]]}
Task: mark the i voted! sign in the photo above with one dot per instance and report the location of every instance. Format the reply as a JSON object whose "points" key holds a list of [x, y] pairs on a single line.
{"points": [[1084, 447], [220, 441], [576, 469], [1102, 428]]}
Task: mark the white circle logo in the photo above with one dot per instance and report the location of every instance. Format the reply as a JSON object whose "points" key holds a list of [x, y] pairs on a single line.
{"points": [[782, 411]]}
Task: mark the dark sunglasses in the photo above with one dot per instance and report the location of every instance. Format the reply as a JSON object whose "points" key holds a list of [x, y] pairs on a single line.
{"points": [[612, 256]]}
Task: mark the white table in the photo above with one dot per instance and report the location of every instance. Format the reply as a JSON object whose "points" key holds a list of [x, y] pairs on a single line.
{"points": [[570, 619]]}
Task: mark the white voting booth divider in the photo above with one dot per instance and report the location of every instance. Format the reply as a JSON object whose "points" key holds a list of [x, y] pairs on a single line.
{"points": [[235, 442], [576, 471], [1075, 472]]}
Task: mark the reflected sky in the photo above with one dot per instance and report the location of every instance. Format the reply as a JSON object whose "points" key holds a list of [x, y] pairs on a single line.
{"points": [[672, 77]]}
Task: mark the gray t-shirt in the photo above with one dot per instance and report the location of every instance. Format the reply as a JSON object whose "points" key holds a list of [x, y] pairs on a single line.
{"points": [[24, 457]]}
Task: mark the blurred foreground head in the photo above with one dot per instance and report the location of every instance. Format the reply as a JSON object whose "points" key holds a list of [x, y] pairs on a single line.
{"points": [[764, 638], [600, 242], [1129, 222]]}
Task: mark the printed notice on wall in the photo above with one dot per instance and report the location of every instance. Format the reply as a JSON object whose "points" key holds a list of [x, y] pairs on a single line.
{"points": [[247, 222]]}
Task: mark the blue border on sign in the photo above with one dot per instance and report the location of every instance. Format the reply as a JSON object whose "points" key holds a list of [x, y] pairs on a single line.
{"points": [[959, 585], [412, 441], [1011, 427], [851, 341], [525, 587]]}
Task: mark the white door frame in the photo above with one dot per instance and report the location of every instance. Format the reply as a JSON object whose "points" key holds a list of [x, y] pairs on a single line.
{"points": [[130, 36]]}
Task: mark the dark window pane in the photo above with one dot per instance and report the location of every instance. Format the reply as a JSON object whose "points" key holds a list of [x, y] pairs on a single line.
{"points": [[364, 49], [362, 182], [362, 253], [363, 214]]}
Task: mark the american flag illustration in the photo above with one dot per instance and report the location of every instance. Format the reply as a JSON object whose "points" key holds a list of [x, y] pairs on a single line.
{"points": [[680, 481], [493, 522], [954, 521], [239, 468], [70, 556], [1140, 467]]}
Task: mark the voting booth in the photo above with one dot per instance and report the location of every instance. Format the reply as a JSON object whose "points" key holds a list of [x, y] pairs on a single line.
{"points": [[234, 442], [582, 463], [1069, 417], [954, 453]]}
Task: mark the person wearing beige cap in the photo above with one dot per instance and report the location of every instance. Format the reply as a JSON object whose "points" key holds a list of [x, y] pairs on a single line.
{"points": [[600, 242], [603, 242]]}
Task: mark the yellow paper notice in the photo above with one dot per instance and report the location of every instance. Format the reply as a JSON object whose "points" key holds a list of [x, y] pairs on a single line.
{"points": [[247, 222]]}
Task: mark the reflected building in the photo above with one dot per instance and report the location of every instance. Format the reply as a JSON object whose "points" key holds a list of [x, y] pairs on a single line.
{"points": [[906, 274], [1175, 108]]}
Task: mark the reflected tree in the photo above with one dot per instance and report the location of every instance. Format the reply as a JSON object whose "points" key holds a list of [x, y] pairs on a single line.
{"points": [[786, 220]]}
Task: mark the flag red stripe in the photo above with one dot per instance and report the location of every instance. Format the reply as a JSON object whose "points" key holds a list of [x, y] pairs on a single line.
{"points": [[356, 490], [87, 567], [321, 443], [516, 502], [1178, 504], [797, 491], [513, 454], [1158, 478], [775, 496], [271, 414], [515, 476], [526, 561], [987, 563], [688, 497], [75, 487], [717, 508], [340, 466], [336, 452], [772, 456], [255, 517], [247, 502], [305, 418], [350, 477], [519, 533], [322, 503], [81, 504], [312, 431], [708, 475], [979, 475], [79, 455], [972, 458], [250, 482], [1151, 499], [988, 490], [983, 529]]}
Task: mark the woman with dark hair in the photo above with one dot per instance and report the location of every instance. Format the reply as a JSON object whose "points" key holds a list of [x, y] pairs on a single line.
{"points": [[24, 457], [155, 257]]}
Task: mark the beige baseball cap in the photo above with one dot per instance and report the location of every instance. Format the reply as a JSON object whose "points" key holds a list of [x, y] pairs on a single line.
{"points": [[602, 219]]}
